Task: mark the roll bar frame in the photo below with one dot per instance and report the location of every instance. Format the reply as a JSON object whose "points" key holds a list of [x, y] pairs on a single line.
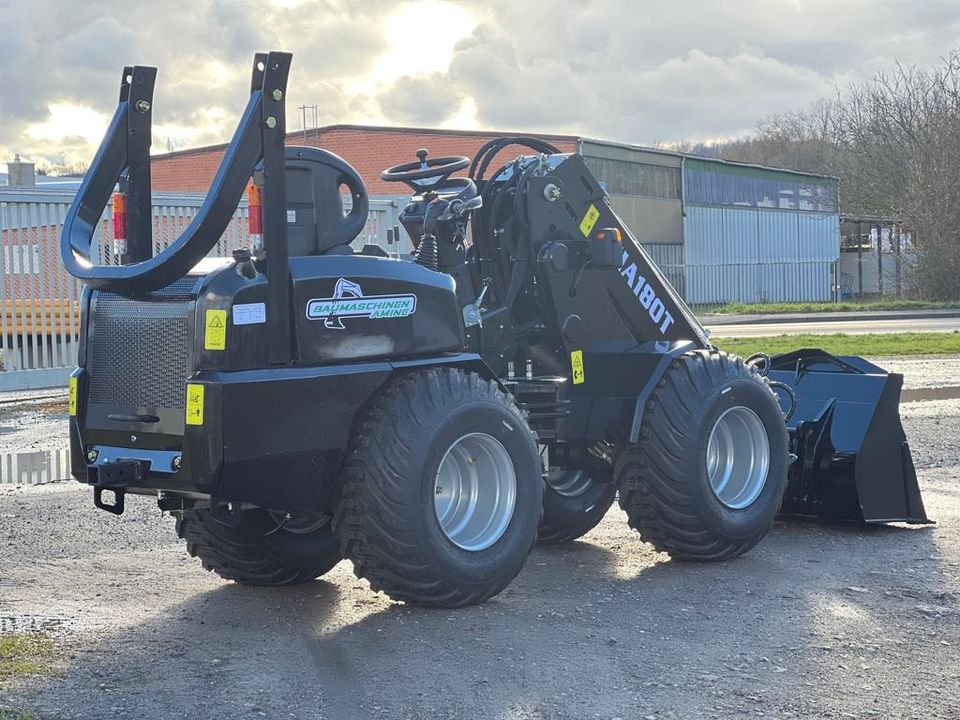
{"points": [[125, 151]]}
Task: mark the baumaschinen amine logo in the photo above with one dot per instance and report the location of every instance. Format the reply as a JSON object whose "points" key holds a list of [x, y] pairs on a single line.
{"points": [[348, 301]]}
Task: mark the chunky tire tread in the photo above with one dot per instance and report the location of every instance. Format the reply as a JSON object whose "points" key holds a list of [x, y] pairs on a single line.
{"points": [[657, 477], [372, 517], [235, 555], [562, 523]]}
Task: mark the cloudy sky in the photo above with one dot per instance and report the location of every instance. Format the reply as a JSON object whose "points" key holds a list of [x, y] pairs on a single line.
{"points": [[630, 70]]}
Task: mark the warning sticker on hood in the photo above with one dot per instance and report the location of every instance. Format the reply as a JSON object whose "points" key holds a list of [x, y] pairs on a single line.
{"points": [[215, 333]]}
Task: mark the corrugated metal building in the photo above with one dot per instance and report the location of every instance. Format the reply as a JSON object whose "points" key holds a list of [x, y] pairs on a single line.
{"points": [[722, 231]]}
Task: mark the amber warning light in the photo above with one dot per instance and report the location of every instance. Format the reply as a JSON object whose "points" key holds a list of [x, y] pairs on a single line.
{"points": [[119, 223], [255, 216]]}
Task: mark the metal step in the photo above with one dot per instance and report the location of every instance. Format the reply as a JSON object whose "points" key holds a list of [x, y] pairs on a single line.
{"points": [[539, 397]]}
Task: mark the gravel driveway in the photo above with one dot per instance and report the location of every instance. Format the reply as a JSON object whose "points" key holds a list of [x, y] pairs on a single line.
{"points": [[816, 622]]}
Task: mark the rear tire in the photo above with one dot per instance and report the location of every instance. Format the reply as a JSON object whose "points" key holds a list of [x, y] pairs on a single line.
{"points": [[573, 504], [429, 439], [694, 497], [259, 551]]}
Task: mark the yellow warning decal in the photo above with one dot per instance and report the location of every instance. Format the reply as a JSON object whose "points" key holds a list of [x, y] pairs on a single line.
{"points": [[194, 404], [72, 405], [215, 336], [576, 362], [589, 220]]}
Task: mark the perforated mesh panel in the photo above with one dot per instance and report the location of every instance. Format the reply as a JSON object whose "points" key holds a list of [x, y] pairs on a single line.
{"points": [[139, 348]]}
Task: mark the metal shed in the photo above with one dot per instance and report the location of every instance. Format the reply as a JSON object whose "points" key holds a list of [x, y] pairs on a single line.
{"points": [[722, 231]]}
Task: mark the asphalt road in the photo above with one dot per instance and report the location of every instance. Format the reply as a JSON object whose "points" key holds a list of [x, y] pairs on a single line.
{"points": [[855, 327], [816, 622]]}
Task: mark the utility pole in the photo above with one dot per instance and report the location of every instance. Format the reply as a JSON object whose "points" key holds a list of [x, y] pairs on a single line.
{"points": [[860, 258], [880, 258]]}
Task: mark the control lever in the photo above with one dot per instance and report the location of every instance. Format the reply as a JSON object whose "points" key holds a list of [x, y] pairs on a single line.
{"points": [[437, 210], [459, 208], [471, 313], [444, 210]]}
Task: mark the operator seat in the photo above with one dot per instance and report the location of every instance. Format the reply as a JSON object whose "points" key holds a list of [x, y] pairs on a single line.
{"points": [[316, 224]]}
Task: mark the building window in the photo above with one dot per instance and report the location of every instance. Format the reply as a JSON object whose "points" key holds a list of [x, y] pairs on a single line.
{"points": [[755, 187], [622, 177]]}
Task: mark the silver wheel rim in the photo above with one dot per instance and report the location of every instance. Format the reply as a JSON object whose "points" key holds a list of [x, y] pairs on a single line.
{"points": [[738, 457], [475, 491], [569, 483]]}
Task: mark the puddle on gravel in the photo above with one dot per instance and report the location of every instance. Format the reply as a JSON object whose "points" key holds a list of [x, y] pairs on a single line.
{"points": [[34, 468]]}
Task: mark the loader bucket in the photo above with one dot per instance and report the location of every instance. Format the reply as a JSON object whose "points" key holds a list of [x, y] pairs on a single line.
{"points": [[853, 461]]}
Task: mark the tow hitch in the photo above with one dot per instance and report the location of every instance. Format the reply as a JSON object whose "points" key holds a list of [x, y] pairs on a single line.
{"points": [[115, 476]]}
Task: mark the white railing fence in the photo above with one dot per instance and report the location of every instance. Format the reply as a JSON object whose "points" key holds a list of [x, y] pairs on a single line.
{"points": [[39, 325]]}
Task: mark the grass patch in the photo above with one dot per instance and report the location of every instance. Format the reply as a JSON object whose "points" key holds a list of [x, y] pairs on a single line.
{"points": [[871, 345], [738, 308], [23, 654], [8, 713]]}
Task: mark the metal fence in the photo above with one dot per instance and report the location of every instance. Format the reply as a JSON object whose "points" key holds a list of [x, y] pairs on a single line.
{"points": [[39, 320], [34, 467]]}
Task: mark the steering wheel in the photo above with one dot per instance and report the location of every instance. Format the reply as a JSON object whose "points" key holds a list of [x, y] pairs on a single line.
{"points": [[424, 174]]}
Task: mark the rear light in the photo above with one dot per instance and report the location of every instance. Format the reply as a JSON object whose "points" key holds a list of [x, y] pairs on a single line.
{"points": [[255, 216], [119, 223]]}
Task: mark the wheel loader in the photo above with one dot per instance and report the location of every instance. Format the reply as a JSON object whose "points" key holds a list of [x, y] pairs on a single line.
{"points": [[431, 419]]}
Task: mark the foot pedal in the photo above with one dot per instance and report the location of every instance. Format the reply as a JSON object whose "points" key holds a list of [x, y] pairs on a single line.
{"points": [[116, 507]]}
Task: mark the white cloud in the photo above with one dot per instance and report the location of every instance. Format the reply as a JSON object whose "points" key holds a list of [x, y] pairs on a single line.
{"points": [[623, 69]]}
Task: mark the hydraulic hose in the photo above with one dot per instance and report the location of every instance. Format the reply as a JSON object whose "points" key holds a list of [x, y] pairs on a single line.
{"points": [[491, 149]]}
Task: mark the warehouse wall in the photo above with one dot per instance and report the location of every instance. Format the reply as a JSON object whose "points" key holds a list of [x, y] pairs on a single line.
{"points": [[644, 189], [758, 235], [759, 255]]}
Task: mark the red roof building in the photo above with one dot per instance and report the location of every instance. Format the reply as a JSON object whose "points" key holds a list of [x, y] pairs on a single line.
{"points": [[369, 149]]}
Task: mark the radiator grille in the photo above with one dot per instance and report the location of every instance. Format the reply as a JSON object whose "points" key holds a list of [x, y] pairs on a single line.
{"points": [[139, 347]]}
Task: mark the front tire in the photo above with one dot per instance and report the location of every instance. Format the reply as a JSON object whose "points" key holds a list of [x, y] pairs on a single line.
{"points": [[265, 548], [706, 478], [442, 490]]}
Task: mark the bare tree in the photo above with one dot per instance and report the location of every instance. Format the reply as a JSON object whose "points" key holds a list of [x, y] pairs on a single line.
{"points": [[894, 141]]}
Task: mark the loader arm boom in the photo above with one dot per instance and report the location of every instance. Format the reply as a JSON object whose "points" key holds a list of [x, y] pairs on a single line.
{"points": [[644, 299], [579, 214]]}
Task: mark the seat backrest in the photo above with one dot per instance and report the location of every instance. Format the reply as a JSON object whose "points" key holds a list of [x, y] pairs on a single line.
{"points": [[316, 223]]}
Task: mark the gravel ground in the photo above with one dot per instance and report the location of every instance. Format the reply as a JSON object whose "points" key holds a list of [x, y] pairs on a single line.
{"points": [[34, 426], [816, 622], [924, 372]]}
